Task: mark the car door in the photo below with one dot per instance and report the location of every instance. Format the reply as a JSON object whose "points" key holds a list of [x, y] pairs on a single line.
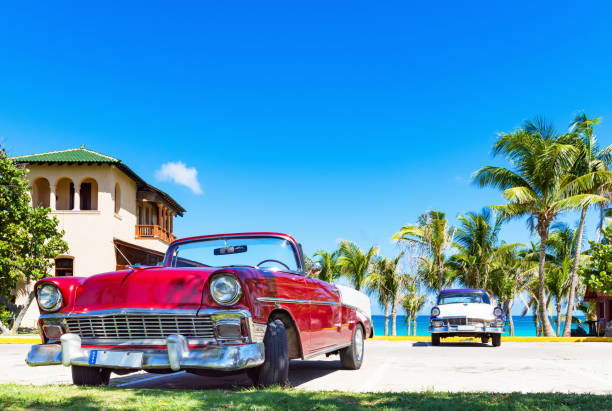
{"points": [[325, 315]]}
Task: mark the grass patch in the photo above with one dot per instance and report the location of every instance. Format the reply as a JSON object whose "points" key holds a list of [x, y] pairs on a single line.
{"points": [[67, 397]]}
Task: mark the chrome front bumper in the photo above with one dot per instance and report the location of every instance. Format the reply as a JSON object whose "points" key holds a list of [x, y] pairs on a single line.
{"points": [[178, 355], [472, 330]]}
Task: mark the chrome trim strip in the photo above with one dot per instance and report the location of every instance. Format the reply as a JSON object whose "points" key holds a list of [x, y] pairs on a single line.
{"points": [[294, 301], [454, 330], [135, 342], [358, 309], [149, 311], [119, 311], [463, 317], [313, 302], [326, 350]]}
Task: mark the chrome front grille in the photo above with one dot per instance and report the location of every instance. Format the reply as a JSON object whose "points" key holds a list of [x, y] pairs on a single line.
{"points": [[457, 321], [454, 322], [130, 326]]}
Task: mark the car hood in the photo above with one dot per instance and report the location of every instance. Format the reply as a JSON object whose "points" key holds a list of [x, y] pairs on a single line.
{"points": [[147, 287], [471, 310]]}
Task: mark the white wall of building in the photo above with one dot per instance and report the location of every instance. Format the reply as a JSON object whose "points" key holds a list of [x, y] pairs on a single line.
{"points": [[90, 233]]}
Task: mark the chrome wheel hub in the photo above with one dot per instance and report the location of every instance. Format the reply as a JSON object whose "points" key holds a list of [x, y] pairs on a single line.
{"points": [[358, 343]]}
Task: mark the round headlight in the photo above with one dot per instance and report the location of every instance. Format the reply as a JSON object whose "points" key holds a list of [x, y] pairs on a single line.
{"points": [[435, 312], [49, 297], [225, 289], [497, 312]]}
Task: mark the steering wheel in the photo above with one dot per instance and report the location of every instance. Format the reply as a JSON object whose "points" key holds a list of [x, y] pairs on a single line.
{"points": [[273, 261]]}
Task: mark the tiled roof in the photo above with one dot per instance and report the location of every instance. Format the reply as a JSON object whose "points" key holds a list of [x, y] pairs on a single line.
{"points": [[73, 155], [84, 156]]}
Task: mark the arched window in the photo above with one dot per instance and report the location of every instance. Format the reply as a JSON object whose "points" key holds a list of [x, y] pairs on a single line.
{"points": [[89, 194], [64, 192], [64, 267], [117, 198], [41, 193]]}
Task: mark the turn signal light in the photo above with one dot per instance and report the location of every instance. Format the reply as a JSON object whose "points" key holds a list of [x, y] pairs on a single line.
{"points": [[52, 332], [229, 331]]}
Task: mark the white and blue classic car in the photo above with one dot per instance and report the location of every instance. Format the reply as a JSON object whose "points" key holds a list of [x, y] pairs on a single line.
{"points": [[466, 313]]}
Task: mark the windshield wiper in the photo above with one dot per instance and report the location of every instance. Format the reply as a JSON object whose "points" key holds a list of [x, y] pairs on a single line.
{"points": [[237, 265]]}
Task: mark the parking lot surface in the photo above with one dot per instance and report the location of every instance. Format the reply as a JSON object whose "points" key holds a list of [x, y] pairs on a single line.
{"points": [[393, 366]]}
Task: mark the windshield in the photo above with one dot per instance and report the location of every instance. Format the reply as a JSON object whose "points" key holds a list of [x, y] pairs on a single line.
{"points": [[264, 252], [463, 297]]}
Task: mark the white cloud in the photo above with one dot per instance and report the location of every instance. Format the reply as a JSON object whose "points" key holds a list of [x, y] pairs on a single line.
{"points": [[180, 174]]}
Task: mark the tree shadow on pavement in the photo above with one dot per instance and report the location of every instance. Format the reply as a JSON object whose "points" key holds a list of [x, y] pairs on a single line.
{"points": [[300, 372]]}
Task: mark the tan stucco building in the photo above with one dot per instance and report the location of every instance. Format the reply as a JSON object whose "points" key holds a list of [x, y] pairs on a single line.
{"points": [[111, 217]]}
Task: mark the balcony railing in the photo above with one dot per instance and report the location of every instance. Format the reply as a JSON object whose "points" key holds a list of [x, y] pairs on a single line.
{"points": [[154, 231]]}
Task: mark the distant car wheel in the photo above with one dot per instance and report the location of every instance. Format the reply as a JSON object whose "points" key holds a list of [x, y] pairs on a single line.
{"points": [[275, 369], [435, 339], [484, 339], [90, 375], [351, 357], [496, 338]]}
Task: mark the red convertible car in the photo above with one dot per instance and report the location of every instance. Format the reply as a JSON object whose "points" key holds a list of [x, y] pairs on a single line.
{"points": [[219, 304]]}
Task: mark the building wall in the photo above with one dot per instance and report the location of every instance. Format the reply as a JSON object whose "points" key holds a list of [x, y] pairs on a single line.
{"points": [[90, 233]]}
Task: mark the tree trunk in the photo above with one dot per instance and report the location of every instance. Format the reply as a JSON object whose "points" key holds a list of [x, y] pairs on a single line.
{"points": [[22, 312], [546, 327], [386, 319], [558, 317], [440, 282], [574, 277], [408, 321], [394, 317], [414, 321], [508, 305]]}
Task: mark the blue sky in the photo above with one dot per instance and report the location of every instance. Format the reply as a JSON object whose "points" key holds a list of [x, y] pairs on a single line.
{"points": [[324, 121]]}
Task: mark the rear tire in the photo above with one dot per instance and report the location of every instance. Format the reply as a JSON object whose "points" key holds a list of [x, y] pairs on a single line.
{"points": [[351, 357], [90, 375], [485, 340], [275, 369], [496, 339], [435, 340]]}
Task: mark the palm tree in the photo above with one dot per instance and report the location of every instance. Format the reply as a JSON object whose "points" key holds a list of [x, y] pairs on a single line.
{"points": [[532, 289], [412, 303], [356, 264], [376, 283], [591, 176], [476, 240], [330, 266], [539, 187], [396, 284], [557, 284], [388, 281], [433, 236], [510, 275], [561, 246]]}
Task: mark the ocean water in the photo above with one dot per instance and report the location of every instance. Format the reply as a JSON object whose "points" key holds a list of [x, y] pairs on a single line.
{"points": [[523, 327]]}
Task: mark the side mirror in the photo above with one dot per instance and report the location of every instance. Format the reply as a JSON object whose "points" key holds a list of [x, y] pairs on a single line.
{"points": [[315, 269]]}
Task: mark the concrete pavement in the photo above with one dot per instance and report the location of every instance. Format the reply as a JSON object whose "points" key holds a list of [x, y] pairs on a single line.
{"points": [[394, 366]]}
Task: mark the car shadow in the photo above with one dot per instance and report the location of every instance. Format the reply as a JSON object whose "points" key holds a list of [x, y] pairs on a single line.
{"points": [[300, 372], [451, 344]]}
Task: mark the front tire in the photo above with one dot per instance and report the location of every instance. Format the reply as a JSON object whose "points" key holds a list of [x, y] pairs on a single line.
{"points": [[90, 375], [275, 369], [351, 357], [484, 339], [496, 339], [435, 340]]}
